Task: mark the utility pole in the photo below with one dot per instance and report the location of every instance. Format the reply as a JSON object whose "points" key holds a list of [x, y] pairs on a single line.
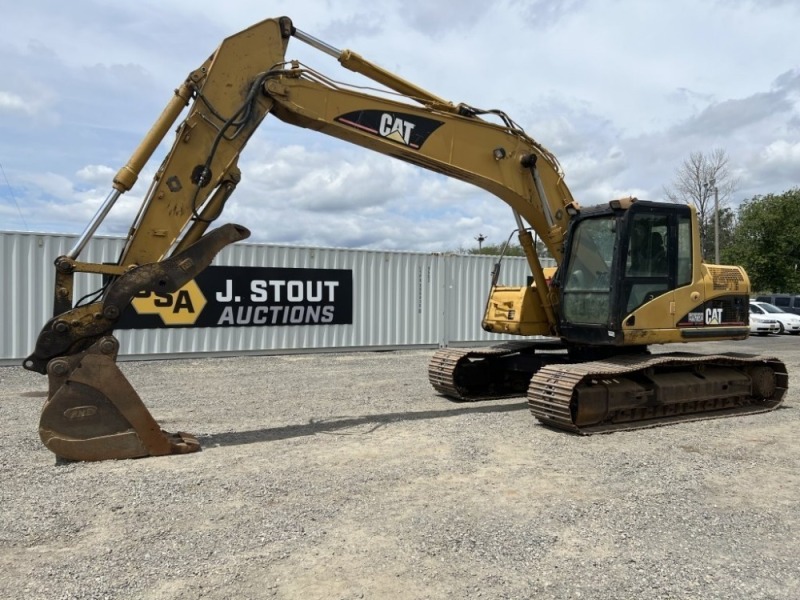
{"points": [[481, 238], [712, 185]]}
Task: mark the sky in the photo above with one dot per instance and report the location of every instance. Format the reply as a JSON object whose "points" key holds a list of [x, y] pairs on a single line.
{"points": [[621, 91]]}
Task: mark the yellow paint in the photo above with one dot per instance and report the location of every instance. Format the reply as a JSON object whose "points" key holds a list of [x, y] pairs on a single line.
{"points": [[178, 308]]}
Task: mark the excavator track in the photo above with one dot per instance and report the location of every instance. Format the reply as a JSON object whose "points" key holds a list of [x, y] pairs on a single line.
{"points": [[500, 371], [640, 391]]}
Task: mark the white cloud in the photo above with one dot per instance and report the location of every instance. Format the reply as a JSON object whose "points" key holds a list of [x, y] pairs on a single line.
{"points": [[29, 101], [622, 91], [99, 174], [15, 103], [782, 153]]}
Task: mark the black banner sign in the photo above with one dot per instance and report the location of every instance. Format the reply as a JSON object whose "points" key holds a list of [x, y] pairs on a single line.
{"points": [[248, 296]]}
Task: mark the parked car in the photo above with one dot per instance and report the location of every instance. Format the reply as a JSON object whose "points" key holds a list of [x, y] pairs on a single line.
{"points": [[787, 322], [762, 325], [786, 302]]}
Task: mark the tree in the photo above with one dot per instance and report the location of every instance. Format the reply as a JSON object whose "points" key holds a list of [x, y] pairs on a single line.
{"points": [[694, 183], [496, 249], [513, 249], [767, 242], [727, 232]]}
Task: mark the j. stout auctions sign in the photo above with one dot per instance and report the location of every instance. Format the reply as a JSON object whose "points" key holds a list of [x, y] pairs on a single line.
{"points": [[248, 296]]}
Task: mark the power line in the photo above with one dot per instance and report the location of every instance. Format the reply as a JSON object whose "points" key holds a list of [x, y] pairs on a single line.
{"points": [[13, 197]]}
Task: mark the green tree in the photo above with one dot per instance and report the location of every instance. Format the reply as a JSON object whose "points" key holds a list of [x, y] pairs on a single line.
{"points": [[727, 233], [496, 249], [767, 242], [513, 249]]}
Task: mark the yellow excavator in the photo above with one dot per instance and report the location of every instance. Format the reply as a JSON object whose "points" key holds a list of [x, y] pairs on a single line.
{"points": [[629, 273]]}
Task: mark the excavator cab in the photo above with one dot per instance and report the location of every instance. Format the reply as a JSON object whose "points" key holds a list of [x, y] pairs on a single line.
{"points": [[632, 274]]}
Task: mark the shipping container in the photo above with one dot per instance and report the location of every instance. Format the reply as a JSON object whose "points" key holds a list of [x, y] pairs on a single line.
{"points": [[399, 299]]}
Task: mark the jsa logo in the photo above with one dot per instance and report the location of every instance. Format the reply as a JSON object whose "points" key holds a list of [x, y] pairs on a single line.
{"points": [[395, 128], [179, 308]]}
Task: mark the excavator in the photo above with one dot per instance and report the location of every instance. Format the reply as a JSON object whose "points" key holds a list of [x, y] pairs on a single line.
{"points": [[629, 272]]}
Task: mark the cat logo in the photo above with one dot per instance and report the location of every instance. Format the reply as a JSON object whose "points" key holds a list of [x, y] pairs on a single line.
{"points": [[396, 129], [178, 308], [401, 128], [713, 316]]}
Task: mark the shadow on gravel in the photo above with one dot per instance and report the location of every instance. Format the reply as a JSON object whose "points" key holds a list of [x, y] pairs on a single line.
{"points": [[313, 427]]}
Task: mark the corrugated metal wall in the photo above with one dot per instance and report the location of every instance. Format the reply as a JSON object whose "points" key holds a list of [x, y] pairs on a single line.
{"points": [[400, 299]]}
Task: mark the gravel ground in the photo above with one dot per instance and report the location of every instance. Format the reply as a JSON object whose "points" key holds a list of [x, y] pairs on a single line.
{"points": [[345, 476]]}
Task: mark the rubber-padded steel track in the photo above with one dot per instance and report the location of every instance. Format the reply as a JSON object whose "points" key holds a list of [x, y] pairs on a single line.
{"points": [[475, 373], [499, 371], [638, 391]]}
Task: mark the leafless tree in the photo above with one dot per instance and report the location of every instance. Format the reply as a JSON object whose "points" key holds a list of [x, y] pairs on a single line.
{"points": [[694, 183]]}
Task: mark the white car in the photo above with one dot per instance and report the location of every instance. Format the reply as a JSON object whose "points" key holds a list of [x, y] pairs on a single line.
{"points": [[762, 325], [787, 322]]}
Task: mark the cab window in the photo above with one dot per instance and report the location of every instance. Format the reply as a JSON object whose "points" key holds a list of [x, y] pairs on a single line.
{"points": [[587, 284], [684, 251], [646, 263], [647, 250]]}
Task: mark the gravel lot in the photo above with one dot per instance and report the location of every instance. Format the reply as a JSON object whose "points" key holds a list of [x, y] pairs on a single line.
{"points": [[345, 476]]}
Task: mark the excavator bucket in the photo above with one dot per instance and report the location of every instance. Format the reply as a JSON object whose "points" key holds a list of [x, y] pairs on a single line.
{"points": [[93, 413]]}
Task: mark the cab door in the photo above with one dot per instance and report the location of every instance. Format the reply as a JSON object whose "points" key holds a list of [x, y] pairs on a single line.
{"points": [[657, 259]]}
